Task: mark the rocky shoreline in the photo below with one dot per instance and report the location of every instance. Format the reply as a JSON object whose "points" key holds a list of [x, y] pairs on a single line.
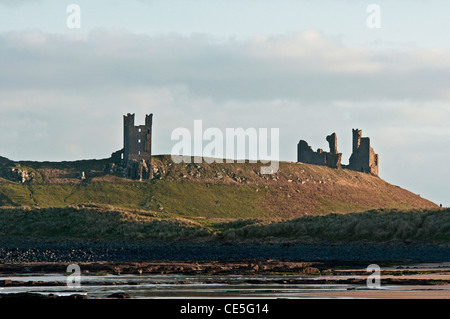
{"points": [[168, 267], [30, 250]]}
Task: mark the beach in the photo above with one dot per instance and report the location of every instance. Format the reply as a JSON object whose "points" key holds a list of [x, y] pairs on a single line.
{"points": [[221, 279]]}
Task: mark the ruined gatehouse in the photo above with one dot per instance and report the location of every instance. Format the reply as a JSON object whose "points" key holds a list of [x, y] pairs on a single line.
{"points": [[363, 158], [135, 159]]}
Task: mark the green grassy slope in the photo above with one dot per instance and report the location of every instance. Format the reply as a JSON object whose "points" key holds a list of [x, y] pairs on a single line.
{"points": [[183, 198], [236, 190], [108, 223], [219, 201]]}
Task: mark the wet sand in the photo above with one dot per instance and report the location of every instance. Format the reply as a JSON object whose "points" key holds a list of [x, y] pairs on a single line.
{"points": [[434, 282], [408, 292], [412, 281]]}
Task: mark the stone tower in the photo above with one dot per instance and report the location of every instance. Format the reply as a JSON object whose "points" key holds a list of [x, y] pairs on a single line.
{"points": [[137, 147], [137, 140], [363, 158]]}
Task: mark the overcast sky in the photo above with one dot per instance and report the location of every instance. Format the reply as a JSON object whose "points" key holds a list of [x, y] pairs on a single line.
{"points": [[309, 68]]}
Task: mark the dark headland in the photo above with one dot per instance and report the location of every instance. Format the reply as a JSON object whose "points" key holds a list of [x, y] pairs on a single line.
{"points": [[83, 212], [135, 206]]}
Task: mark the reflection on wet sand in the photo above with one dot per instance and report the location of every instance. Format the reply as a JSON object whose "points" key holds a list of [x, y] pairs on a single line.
{"points": [[414, 281]]}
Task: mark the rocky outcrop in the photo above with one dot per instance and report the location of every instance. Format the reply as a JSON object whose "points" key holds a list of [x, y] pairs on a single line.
{"points": [[17, 174], [14, 173], [140, 170]]}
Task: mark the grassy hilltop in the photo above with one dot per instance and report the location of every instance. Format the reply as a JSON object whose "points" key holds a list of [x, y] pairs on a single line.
{"points": [[217, 190], [210, 201]]}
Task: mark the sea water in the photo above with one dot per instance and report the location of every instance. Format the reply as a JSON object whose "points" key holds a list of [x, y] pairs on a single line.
{"points": [[178, 286]]}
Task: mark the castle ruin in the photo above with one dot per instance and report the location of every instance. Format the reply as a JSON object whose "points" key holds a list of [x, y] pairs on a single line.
{"points": [[363, 158], [136, 156], [332, 159], [137, 140]]}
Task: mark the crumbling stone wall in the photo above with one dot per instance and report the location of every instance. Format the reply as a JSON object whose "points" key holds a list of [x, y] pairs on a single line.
{"points": [[363, 158], [332, 159], [332, 142]]}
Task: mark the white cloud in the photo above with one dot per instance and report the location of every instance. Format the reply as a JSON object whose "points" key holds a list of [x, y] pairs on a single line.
{"points": [[307, 66], [63, 97]]}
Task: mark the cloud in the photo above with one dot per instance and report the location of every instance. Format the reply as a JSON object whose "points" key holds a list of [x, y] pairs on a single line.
{"points": [[199, 75], [307, 66], [62, 97], [18, 2]]}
